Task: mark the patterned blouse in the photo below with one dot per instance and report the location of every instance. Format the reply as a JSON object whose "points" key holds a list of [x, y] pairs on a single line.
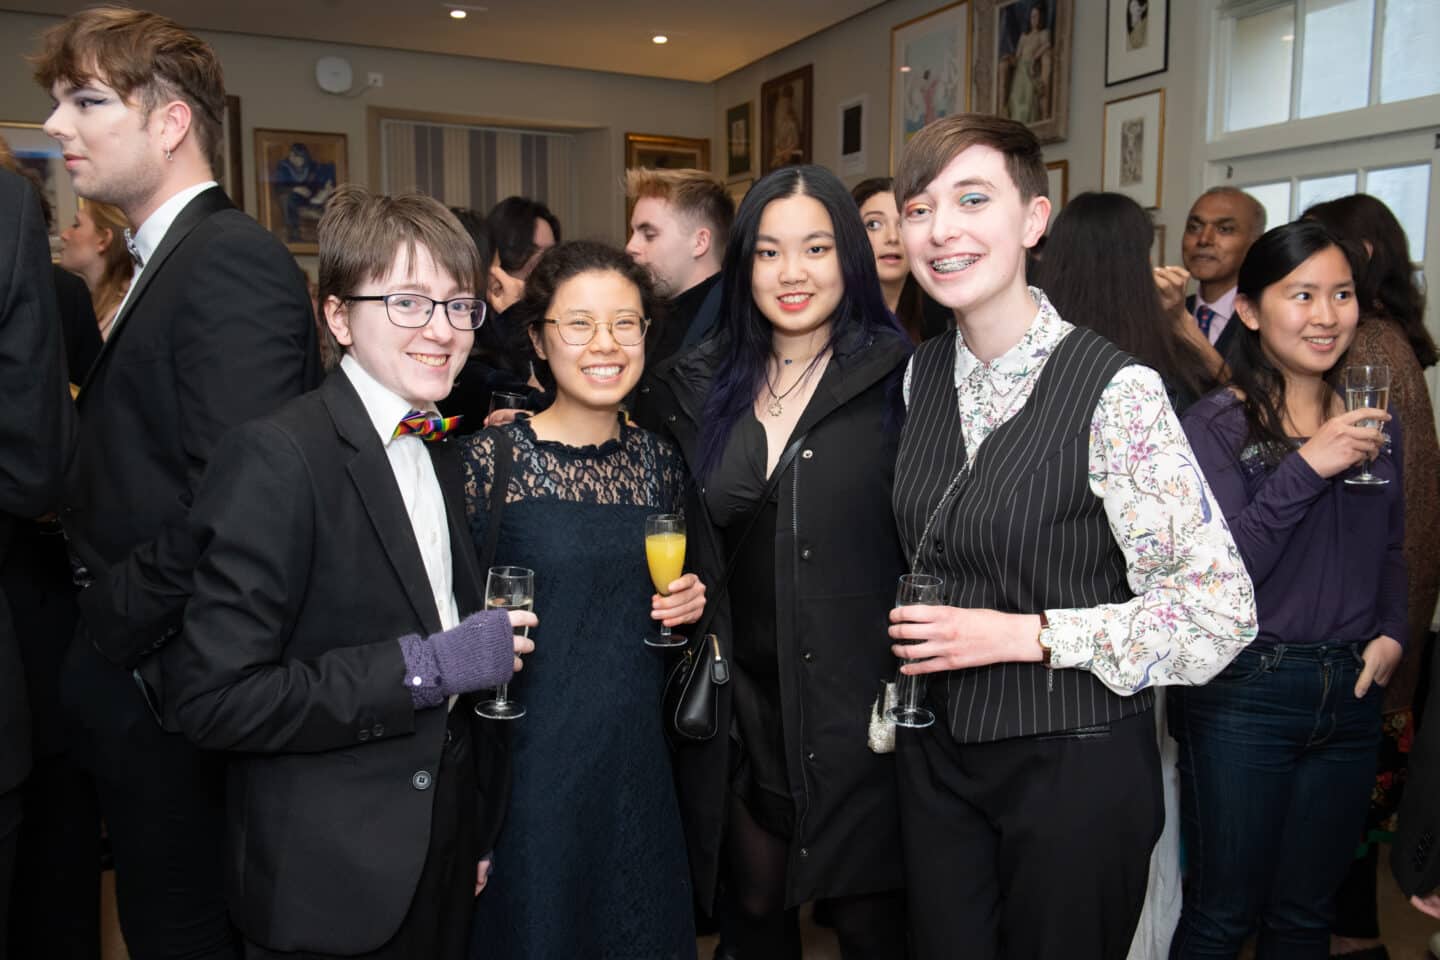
{"points": [[1194, 604]]}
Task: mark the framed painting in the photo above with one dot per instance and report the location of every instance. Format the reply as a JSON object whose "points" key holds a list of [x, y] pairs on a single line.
{"points": [[1022, 62], [231, 175], [852, 136], [929, 72], [295, 173], [785, 119], [1059, 189], [1137, 39], [739, 154], [1132, 153], [666, 153], [40, 154]]}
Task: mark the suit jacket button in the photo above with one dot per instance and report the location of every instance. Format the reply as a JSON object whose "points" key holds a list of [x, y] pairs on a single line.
{"points": [[807, 454], [421, 780], [805, 554]]}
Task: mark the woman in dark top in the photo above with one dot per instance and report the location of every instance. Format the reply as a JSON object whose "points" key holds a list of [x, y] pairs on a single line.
{"points": [[1096, 269], [592, 854], [1277, 753], [807, 359], [920, 315]]}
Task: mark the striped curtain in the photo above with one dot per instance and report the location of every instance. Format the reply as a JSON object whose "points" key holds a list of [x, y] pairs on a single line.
{"points": [[477, 167]]}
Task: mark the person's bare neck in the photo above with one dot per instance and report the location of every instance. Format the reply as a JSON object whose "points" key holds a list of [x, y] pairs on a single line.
{"points": [[1308, 403], [992, 328], [701, 271], [180, 174], [576, 425], [891, 291], [1212, 290], [94, 272]]}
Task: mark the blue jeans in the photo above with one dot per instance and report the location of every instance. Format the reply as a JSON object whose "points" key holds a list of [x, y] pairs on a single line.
{"points": [[1277, 760]]}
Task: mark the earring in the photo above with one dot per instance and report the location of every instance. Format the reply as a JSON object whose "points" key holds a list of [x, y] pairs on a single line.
{"points": [[169, 155]]}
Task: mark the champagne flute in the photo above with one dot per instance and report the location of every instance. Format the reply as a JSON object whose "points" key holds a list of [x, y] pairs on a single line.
{"points": [[910, 690], [507, 588], [1367, 386], [665, 554]]}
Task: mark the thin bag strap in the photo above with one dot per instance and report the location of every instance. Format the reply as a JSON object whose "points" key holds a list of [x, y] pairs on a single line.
{"points": [[504, 453]]}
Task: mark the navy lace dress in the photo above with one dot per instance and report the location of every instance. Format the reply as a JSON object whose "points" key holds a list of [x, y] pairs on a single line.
{"points": [[591, 861]]}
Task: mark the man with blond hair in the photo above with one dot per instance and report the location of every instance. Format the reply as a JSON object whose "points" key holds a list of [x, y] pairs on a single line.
{"points": [[216, 329]]}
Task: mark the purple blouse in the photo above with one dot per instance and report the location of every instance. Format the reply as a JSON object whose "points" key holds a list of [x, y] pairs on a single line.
{"points": [[1326, 557]]}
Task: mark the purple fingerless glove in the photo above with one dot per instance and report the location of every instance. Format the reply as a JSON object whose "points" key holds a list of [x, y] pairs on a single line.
{"points": [[475, 654]]}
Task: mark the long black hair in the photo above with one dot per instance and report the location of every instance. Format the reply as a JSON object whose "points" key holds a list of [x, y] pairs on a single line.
{"points": [[1386, 282], [1272, 258], [512, 230], [1096, 272], [860, 318]]}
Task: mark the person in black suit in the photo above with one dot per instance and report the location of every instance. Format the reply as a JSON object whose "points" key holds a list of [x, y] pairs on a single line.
{"points": [[325, 629], [1415, 856], [215, 330], [1221, 226], [35, 435]]}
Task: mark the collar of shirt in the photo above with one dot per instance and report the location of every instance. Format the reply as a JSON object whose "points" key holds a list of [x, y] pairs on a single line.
{"points": [[384, 408], [153, 230], [1021, 360], [1224, 305]]}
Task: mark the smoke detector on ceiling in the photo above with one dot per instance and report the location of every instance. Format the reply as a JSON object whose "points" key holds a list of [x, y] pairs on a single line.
{"points": [[333, 74]]}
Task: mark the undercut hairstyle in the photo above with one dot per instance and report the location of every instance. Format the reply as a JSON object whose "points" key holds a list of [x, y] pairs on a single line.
{"points": [[1271, 259], [859, 320], [362, 233], [695, 194], [1257, 209], [932, 149], [148, 59], [512, 230], [1386, 283], [1096, 272]]}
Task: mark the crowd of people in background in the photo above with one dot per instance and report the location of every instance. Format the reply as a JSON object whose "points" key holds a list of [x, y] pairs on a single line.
{"points": [[255, 655]]}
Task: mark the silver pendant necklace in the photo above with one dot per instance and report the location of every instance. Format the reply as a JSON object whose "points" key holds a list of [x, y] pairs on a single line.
{"points": [[775, 407]]}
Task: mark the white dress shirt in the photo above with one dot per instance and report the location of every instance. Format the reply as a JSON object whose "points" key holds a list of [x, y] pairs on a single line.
{"points": [[152, 231], [1224, 307]]}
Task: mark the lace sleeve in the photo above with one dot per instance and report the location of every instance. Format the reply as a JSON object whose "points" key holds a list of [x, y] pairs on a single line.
{"points": [[477, 457]]}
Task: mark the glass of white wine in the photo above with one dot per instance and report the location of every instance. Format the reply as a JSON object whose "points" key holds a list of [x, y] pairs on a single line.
{"points": [[914, 588], [665, 554], [507, 588], [1367, 386]]}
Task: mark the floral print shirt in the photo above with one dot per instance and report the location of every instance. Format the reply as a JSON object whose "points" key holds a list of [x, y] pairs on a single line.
{"points": [[1194, 604]]}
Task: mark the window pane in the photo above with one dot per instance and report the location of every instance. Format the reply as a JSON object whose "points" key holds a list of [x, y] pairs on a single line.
{"points": [[1406, 191], [1335, 65], [1409, 66], [1319, 189], [1260, 55], [1275, 198]]}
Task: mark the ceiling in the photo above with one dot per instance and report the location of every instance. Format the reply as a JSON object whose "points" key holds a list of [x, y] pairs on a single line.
{"points": [[708, 39]]}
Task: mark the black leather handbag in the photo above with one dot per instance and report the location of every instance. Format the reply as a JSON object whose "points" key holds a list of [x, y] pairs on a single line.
{"points": [[692, 690]]}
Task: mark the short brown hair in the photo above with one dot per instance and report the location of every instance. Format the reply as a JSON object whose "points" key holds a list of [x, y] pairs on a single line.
{"points": [[148, 59], [935, 146], [693, 193], [361, 232]]}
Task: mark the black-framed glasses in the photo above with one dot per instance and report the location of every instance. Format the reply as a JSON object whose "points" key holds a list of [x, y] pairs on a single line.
{"points": [[413, 310], [628, 331]]}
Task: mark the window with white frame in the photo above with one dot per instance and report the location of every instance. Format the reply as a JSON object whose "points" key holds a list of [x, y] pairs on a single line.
{"points": [[1292, 59]]}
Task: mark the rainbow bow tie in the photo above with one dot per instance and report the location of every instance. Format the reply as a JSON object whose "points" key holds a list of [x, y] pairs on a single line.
{"points": [[427, 426]]}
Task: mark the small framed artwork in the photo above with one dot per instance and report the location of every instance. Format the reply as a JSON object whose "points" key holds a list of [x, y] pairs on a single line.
{"points": [[929, 72], [231, 174], [1157, 246], [1137, 39], [1132, 154], [1022, 63], [739, 155], [785, 119], [41, 155], [295, 174], [852, 136], [666, 153], [1059, 190], [737, 190]]}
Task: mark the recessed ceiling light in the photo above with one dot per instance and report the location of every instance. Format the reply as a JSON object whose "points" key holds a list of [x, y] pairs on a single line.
{"points": [[459, 14], [659, 38]]}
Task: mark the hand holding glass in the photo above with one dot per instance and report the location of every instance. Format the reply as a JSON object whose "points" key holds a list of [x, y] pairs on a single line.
{"points": [[1367, 386], [507, 588], [665, 554], [914, 588]]}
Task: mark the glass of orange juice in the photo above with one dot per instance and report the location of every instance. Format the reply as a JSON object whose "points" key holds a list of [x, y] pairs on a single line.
{"points": [[665, 553]]}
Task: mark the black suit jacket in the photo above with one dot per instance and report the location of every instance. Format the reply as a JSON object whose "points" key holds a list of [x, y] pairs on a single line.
{"points": [[1227, 336], [77, 322], [218, 330], [1415, 855], [308, 574], [36, 421]]}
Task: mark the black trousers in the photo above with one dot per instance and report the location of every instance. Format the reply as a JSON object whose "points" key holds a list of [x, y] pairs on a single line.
{"points": [[163, 802], [437, 925], [9, 834], [1031, 848]]}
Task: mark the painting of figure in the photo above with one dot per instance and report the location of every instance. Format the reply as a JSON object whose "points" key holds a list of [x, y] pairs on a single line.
{"points": [[1026, 61], [297, 173], [1132, 152], [929, 71]]}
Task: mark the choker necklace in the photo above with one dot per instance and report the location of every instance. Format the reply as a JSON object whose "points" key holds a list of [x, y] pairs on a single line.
{"points": [[775, 407]]}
